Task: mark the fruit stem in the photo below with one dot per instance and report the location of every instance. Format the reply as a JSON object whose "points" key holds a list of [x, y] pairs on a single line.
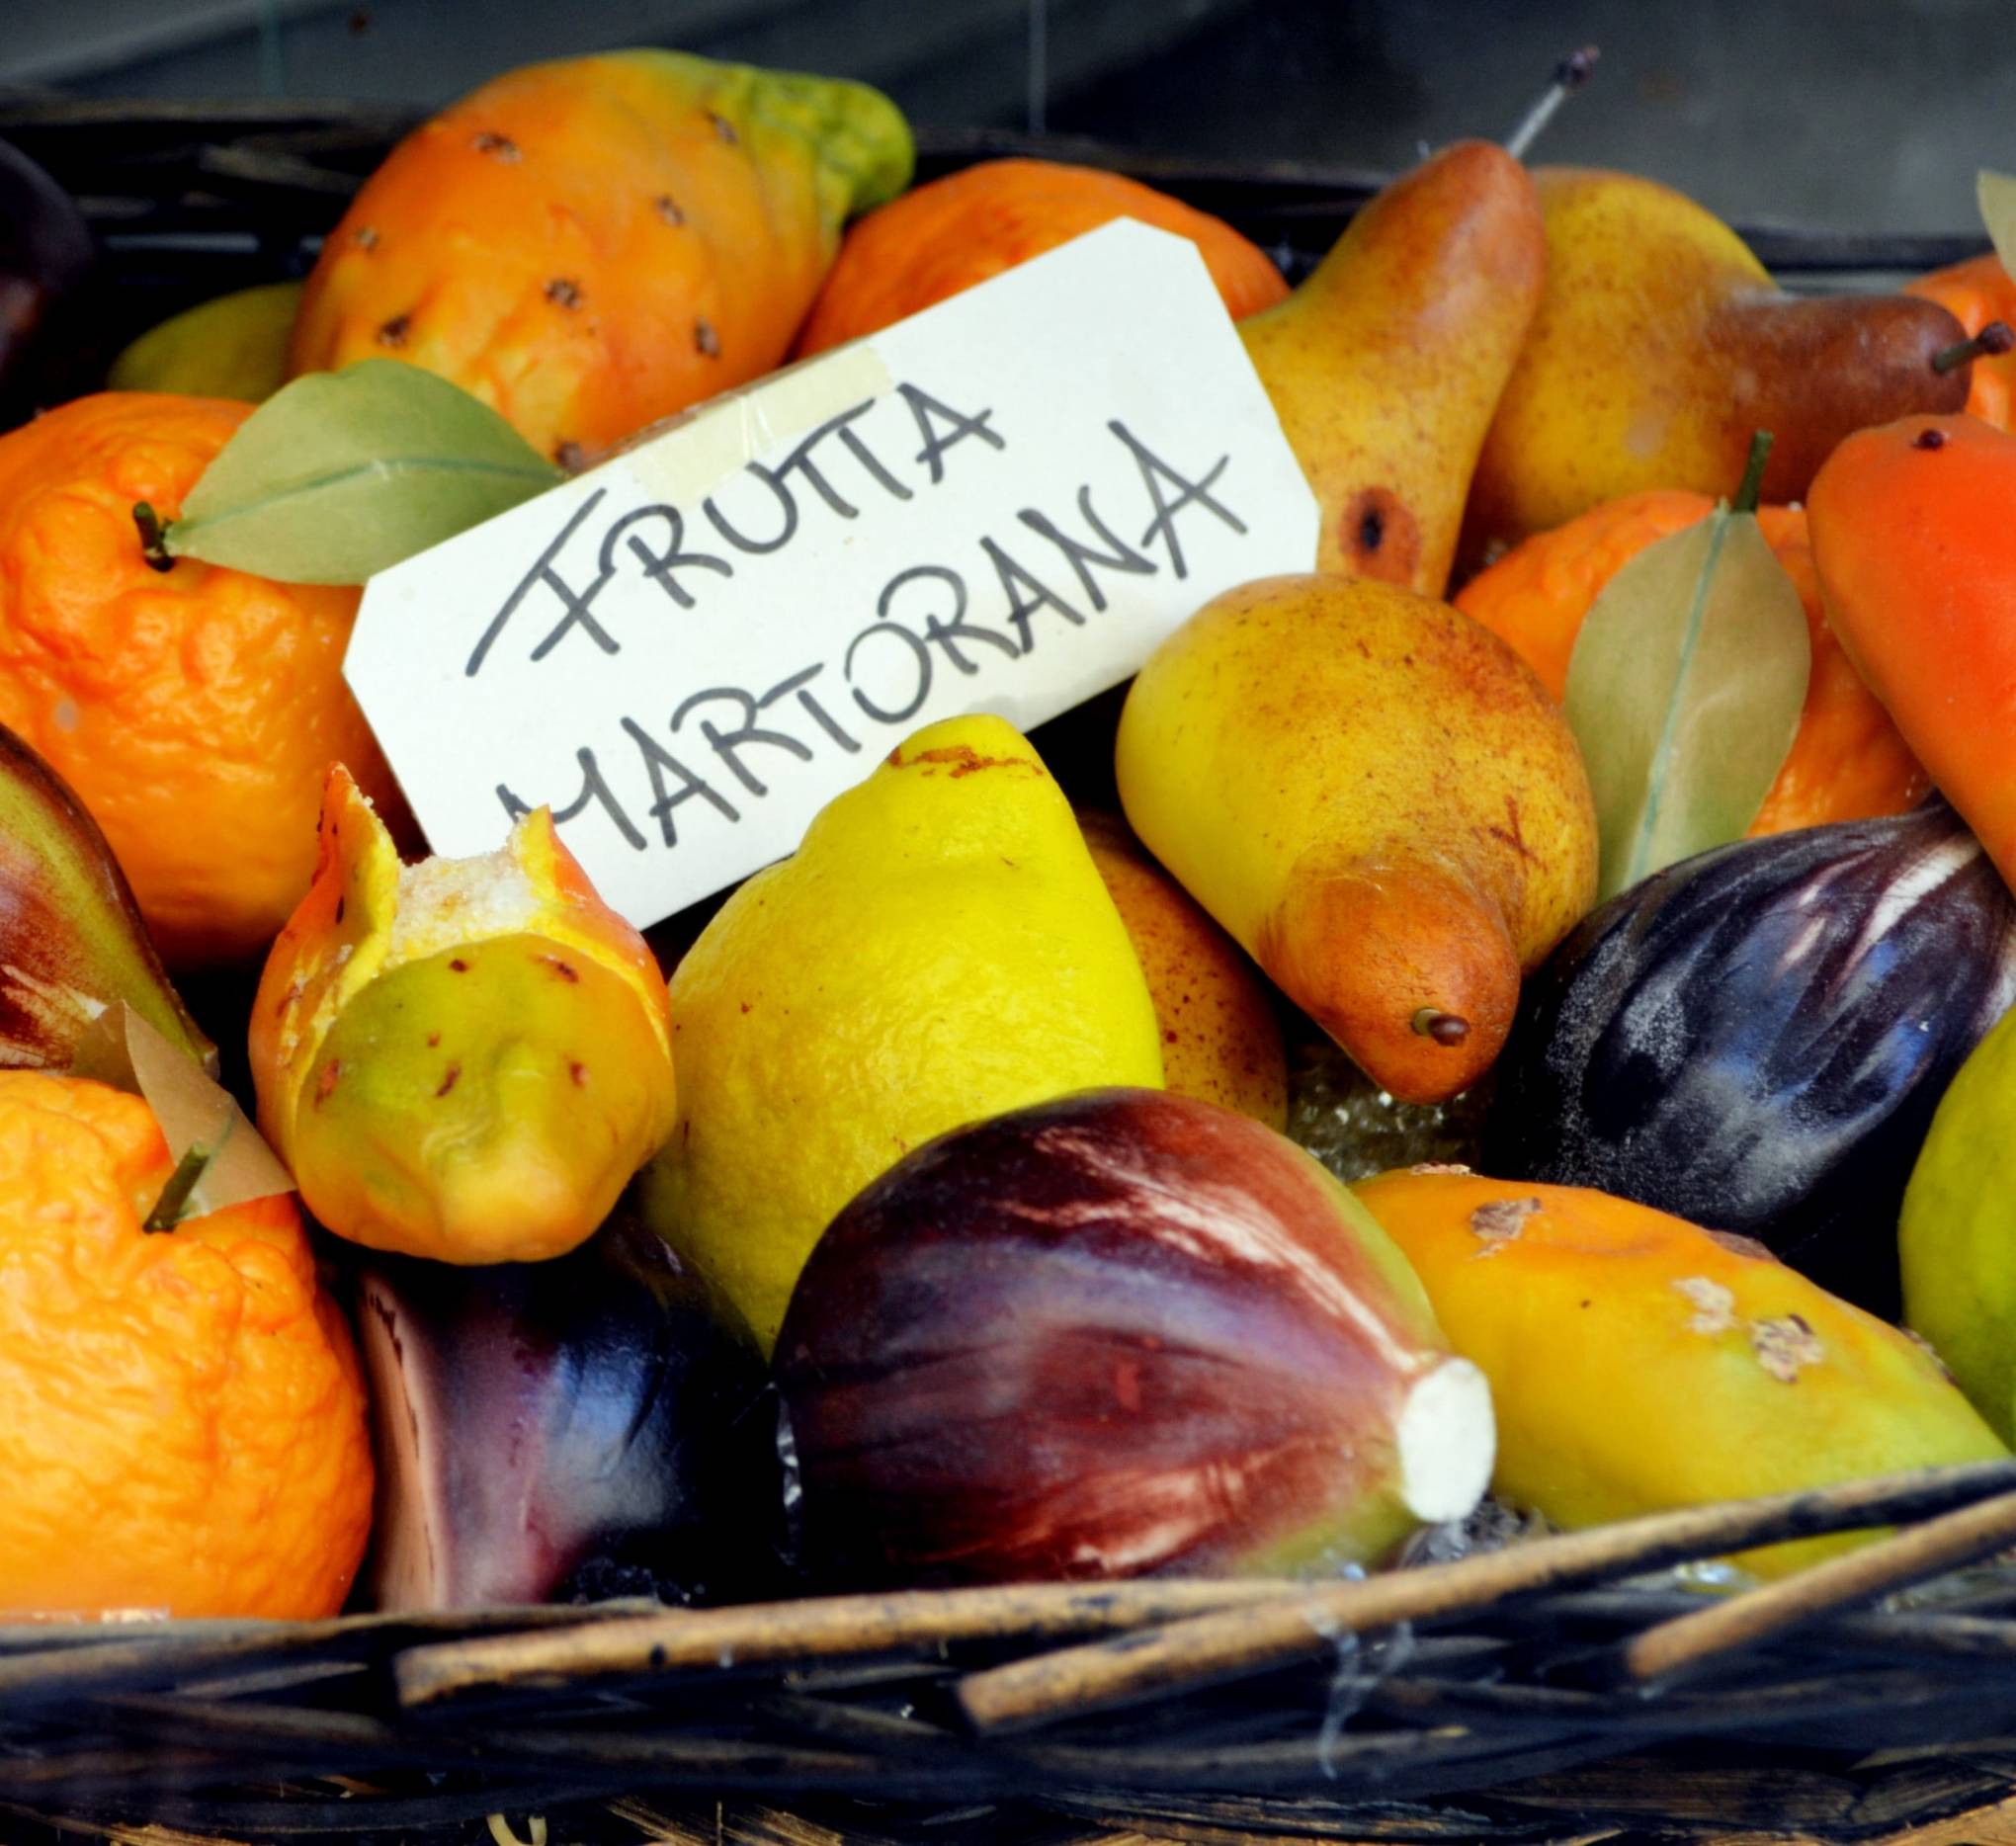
{"points": [[1446, 1029], [1994, 340], [1571, 74], [1752, 484], [168, 1209], [153, 536]]}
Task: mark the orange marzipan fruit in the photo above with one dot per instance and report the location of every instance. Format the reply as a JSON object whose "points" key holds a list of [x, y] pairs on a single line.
{"points": [[968, 228], [196, 710], [184, 1423], [1975, 292], [1847, 760]]}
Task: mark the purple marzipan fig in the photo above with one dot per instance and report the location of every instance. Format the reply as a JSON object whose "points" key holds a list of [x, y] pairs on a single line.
{"points": [[585, 1427], [1118, 1333]]}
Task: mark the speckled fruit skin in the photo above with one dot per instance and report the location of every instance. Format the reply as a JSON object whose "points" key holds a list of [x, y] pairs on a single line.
{"points": [[1661, 346], [1118, 1333], [1378, 800], [1640, 1363], [592, 244], [463, 1060], [938, 948], [1386, 366], [1221, 1040]]}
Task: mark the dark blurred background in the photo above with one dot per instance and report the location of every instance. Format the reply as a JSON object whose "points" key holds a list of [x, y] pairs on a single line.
{"points": [[1848, 114]]}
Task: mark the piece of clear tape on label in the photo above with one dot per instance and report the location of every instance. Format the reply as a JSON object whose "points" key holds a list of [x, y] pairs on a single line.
{"points": [[729, 432]]}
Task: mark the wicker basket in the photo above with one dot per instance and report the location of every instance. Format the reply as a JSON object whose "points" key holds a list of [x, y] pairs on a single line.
{"points": [[1549, 1689]]}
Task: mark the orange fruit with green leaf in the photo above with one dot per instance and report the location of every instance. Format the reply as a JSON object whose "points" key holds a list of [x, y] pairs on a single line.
{"points": [[184, 1428], [1847, 760], [194, 710]]}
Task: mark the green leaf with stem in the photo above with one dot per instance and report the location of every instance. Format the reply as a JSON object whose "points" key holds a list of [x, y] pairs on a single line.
{"points": [[1685, 690], [342, 475]]}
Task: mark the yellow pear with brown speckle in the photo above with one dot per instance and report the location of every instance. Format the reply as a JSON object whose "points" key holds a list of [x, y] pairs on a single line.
{"points": [[938, 949], [1386, 366]]}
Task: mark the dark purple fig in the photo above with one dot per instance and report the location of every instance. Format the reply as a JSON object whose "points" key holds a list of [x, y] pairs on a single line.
{"points": [[586, 1425], [1117, 1334], [71, 938], [46, 251], [1755, 1038]]}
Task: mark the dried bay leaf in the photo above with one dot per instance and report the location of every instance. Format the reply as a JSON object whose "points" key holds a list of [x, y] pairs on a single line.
{"points": [[341, 474], [1684, 691], [232, 1166]]}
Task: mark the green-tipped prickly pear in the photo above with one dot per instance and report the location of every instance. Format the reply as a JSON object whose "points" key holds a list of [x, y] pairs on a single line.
{"points": [[592, 244], [464, 1059]]}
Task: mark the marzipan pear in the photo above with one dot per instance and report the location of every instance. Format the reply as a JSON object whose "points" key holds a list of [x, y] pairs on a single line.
{"points": [[1379, 801], [1221, 1040], [1662, 345], [939, 948], [1386, 365]]}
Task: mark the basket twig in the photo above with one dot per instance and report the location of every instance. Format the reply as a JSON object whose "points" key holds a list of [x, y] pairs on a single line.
{"points": [[1690, 1641], [710, 1641], [1210, 1649]]}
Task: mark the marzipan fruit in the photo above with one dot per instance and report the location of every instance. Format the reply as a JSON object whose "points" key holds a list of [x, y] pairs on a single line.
{"points": [[939, 948], [1640, 1364], [1386, 366], [1377, 799], [466, 1058], [1661, 346]]}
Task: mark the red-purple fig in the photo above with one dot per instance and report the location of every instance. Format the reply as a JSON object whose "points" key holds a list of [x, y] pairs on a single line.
{"points": [[585, 1426], [71, 940], [1118, 1333]]}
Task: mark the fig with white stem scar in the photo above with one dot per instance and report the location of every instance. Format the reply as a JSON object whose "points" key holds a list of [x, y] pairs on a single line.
{"points": [[1118, 1333]]}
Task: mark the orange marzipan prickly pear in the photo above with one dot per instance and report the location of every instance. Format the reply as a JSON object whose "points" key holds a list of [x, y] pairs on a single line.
{"points": [[464, 1059], [1639, 1363], [592, 244], [1915, 546], [1846, 762]]}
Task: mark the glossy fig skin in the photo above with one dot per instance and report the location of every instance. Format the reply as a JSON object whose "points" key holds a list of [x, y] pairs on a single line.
{"points": [[71, 937], [540, 1425], [1118, 1333], [1756, 1038]]}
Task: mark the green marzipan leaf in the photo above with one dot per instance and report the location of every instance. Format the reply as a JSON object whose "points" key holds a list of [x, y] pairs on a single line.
{"points": [[344, 474], [1683, 693], [1995, 193]]}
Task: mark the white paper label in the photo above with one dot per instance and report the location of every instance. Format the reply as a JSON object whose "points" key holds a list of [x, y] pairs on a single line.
{"points": [[1002, 504]]}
